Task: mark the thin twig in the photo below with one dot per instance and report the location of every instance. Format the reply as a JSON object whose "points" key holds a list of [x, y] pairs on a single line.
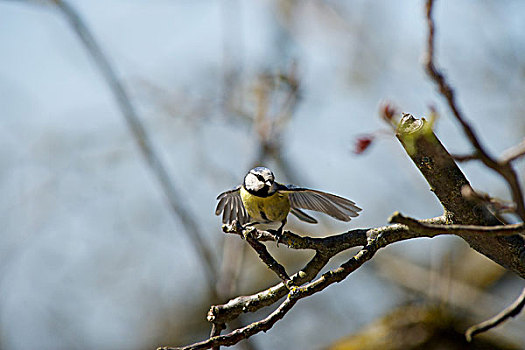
{"points": [[142, 138], [216, 329], [433, 229], [251, 303], [513, 153], [423, 280], [509, 155], [497, 205], [270, 126], [267, 258], [503, 168], [243, 333], [511, 311], [465, 157]]}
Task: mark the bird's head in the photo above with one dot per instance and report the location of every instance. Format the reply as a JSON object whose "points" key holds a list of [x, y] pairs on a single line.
{"points": [[260, 181]]}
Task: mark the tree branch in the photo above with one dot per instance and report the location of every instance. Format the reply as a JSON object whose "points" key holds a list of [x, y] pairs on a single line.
{"points": [[265, 256], [216, 329], [242, 333], [511, 311], [504, 168], [513, 153], [459, 230], [447, 181]]}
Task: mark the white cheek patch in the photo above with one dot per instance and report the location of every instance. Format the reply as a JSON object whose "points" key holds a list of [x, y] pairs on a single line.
{"points": [[253, 183]]}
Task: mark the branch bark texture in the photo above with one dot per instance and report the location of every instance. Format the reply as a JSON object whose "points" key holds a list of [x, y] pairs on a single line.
{"points": [[446, 180]]}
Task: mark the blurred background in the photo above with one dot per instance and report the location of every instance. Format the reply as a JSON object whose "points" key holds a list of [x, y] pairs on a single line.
{"points": [[92, 256]]}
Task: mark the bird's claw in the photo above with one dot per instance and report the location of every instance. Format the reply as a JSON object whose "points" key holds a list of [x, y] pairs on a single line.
{"points": [[248, 231], [278, 234]]}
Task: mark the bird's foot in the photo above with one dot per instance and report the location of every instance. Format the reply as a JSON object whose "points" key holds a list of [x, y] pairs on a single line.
{"points": [[233, 227], [248, 231], [278, 234]]}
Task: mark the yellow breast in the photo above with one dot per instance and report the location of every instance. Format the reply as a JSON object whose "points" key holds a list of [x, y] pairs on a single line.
{"points": [[266, 209]]}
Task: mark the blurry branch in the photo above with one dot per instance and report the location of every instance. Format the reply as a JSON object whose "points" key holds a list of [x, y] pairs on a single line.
{"points": [[175, 102], [464, 157], [276, 98], [417, 278], [454, 291], [142, 138], [496, 205], [511, 311], [514, 152], [502, 166]]}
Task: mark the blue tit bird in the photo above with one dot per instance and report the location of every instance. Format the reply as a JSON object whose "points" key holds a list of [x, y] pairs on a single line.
{"points": [[261, 200]]}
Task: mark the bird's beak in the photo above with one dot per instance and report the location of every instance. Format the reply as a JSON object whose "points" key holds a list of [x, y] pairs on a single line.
{"points": [[268, 183]]}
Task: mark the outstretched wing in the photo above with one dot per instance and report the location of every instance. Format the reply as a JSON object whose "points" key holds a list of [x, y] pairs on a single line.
{"points": [[231, 207], [337, 207]]}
